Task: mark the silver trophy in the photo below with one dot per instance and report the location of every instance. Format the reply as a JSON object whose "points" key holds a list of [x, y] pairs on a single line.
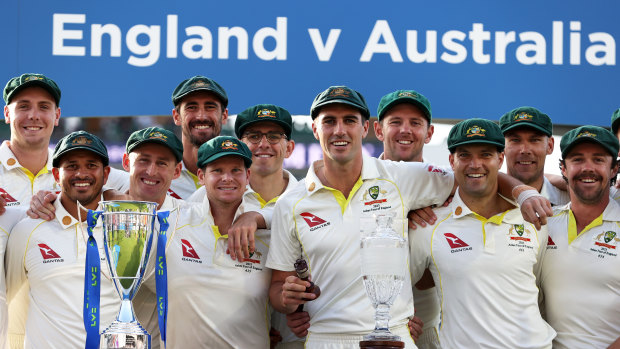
{"points": [[127, 235], [384, 264]]}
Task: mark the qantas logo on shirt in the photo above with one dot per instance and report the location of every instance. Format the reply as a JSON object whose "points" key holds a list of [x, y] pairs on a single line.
{"points": [[10, 201], [49, 255], [551, 244], [313, 221], [456, 244], [173, 194], [189, 253]]}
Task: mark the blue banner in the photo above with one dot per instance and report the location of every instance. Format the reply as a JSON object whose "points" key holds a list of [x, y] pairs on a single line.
{"points": [[470, 58]]}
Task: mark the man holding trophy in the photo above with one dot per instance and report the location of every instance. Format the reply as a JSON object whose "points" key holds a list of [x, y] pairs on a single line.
{"points": [[50, 255]]}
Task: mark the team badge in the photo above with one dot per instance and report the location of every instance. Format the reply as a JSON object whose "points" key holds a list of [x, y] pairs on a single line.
{"points": [[608, 239], [586, 134], [475, 131], [81, 140], [374, 192], [339, 92], [523, 116], [200, 83], [266, 113], [518, 230], [157, 135], [254, 257], [33, 77], [407, 94], [228, 144]]}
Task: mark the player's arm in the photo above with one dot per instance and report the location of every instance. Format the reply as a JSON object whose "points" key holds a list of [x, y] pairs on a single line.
{"points": [[557, 181], [534, 207], [241, 234], [298, 323], [615, 344], [287, 291], [15, 269]]}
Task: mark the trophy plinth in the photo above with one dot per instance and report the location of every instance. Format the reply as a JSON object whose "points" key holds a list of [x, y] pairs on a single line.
{"points": [[127, 234], [384, 261]]}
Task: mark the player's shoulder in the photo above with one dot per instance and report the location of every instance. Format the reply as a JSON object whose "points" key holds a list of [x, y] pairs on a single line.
{"points": [[27, 226], [293, 194]]}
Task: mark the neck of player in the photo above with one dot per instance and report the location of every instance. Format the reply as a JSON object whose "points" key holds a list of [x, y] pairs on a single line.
{"points": [[584, 212], [223, 214], [31, 156], [341, 177], [190, 156], [72, 207], [269, 186], [487, 206]]}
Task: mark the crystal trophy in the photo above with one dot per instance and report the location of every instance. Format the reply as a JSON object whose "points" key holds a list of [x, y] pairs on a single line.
{"points": [[384, 264], [127, 235]]}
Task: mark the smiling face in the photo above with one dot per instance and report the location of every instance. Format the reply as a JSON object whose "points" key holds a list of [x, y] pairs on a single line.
{"points": [[81, 175], [267, 158], [475, 169], [588, 168], [340, 130], [151, 167], [32, 115], [526, 150], [225, 180], [201, 116], [403, 130]]}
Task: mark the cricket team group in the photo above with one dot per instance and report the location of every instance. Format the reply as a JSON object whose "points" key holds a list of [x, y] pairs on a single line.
{"points": [[496, 260]]}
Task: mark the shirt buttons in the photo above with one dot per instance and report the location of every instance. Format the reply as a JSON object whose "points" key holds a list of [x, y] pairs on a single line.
{"points": [[458, 210], [66, 220], [11, 162], [312, 186]]}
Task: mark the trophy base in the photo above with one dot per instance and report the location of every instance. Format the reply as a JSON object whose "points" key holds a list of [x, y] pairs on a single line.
{"points": [[125, 335], [379, 344]]}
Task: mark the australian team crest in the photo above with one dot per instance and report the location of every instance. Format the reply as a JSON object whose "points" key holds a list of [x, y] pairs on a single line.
{"points": [[517, 231], [609, 235], [475, 131], [157, 135], [81, 140], [523, 116], [200, 83], [374, 192], [586, 134], [266, 113], [609, 240], [407, 94], [339, 92], [228, 144]]}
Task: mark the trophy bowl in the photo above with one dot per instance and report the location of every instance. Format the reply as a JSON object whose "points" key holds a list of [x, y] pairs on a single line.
{"points": [[127, 236]]}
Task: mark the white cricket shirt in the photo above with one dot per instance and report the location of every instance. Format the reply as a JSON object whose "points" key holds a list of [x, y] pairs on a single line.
{"points": [[581, 279], [324, 226], [485, 274], [50, 257]]}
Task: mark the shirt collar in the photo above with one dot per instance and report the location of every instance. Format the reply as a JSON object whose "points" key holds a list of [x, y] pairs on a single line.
{"points": [[9, 160], [65, 219], [369, 171], [460, 210]]}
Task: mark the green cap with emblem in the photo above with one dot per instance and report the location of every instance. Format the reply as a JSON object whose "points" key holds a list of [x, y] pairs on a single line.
{"points": [[615, 121], [526, 117], [80, 140], [404, 96], [264, 112], [156, 135], [23, 81], [589, 133], [199, 83], [342, 95], [472, 131], [223, 146]]}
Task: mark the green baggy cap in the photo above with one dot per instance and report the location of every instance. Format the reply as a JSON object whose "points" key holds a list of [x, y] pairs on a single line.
{"points": [[23, 81], [592, 134], [526, 117], [155, 135], [264, 112], [339, 94], [474, 131], [223, 146], [80, 140], [404, 96], [199, 83]]}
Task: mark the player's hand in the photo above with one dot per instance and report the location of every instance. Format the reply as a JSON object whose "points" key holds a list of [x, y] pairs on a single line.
{"points": [[415, 325], [421, 217], [2, 203], [241, 235], [536, 210], [42, 205], [294, 293], [299, 323], [274, 337]]}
